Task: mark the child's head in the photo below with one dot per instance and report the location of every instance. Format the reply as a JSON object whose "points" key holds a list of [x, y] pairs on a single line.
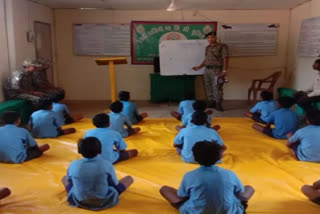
{"points": [[316, 65], [46, 105], [116, 107], [199, 106], [286, 102], [59, 97], [267, 95], [207, 153], [199, 118], [89, 147], [10, 117], [188, 96], [101, 120], [124, 95], [313, 117]]}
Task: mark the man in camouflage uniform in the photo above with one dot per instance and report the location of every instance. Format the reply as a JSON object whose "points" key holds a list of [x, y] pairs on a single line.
{"points": [[27, 84], [216, 64]]}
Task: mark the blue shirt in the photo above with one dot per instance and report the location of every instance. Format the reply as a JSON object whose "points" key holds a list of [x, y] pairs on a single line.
{"points": [[93, 182], [61, 110], [45, 124], [109, 139], [309, 147], [284, 120], [211, 190], [185, 107], [117, 122], [14, 142], [130, 110], [189, 136], [186, 121], [265, 108]]}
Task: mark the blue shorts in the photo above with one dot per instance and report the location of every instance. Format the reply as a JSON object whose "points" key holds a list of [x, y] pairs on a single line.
{"points": [[120, 187]]}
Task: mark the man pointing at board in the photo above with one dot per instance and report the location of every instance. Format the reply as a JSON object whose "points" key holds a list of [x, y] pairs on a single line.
{"points": [[216, 64]]}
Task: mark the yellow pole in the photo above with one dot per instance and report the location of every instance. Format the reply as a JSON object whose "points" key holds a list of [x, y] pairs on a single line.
{"points": [[112, 81]]}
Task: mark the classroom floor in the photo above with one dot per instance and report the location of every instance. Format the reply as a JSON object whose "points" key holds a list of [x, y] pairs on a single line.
{"points": [[258, 160]]}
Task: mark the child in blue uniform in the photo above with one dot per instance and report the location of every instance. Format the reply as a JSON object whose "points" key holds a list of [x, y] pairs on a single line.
{"points": [[16, 144], [130, 109], [198, 106], [209, 188], [284, 120], [45, 123], [119, 120], [189, 136], [91, 182], [4, 192], [263, 109], [185, 107], [113, 146], [305, 143], [63, 111], [312, 192]]}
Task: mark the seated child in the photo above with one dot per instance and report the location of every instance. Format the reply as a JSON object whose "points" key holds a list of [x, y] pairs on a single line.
{"points": [[91, 182], [4, 192], [198, 106], [118, 120], [312, 192], [263, 109], [63, 111], [113, 146], [185, 107], [284, 120], [45, 123], [305, 143], [16, 144], [187, 137], [130, 109], [209, 188]]}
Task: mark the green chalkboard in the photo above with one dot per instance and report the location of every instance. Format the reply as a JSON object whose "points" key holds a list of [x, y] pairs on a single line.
{"points": [[146, 36]]}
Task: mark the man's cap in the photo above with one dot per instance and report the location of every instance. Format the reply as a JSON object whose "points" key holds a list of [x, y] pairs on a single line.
{"points": [[212, 33]]}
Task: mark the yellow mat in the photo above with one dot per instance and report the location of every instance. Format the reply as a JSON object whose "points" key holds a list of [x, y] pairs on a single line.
{"points": [[260, 161]]}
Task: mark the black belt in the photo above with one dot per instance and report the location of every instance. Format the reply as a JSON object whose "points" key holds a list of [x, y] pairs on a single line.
{"points": [[214, 66]]}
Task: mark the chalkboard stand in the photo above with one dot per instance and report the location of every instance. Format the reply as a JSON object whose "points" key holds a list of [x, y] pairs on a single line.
{"points": [[111, 61]]}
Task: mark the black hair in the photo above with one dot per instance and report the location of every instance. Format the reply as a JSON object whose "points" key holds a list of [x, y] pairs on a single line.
{"points": [[207, 153], [101, 120], [116, 107], [211, 34], [199, 118], [89, 147], [267, 95], [9, 117], [313, 116], [124, 95], [188, 95], [286, 102], [199, 106], [46, 104], [58, 97]]}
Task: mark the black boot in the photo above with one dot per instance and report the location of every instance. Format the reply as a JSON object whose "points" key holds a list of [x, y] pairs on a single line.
{"points": [[211, 104], [219, 107]]}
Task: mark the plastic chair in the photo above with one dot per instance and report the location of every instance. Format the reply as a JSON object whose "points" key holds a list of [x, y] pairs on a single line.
{"points": [[260, 85]]}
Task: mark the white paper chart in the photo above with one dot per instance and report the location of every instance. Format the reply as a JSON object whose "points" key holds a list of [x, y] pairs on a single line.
{"points": [[101, 39], [309, 41], [250, 39]]}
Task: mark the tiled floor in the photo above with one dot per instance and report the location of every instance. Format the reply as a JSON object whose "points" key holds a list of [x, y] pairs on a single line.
{"points": [[233, 108]]}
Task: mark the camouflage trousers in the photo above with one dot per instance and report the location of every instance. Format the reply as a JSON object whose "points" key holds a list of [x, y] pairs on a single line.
{"points": [[214, 90]]}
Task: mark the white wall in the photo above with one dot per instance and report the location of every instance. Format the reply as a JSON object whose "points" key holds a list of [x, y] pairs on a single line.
{"points": [[4, 58], [300, 68], [83, 80], [21, 15]]}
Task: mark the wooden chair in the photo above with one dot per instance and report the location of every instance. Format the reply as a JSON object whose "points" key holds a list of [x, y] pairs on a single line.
{"points": [[260, 85]]}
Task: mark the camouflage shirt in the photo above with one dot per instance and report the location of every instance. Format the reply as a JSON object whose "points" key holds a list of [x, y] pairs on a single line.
{"points": [[215, 54], [39, 78]]}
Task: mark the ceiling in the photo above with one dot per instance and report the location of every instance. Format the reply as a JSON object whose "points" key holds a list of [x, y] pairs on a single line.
{"points": [[163, 4]]}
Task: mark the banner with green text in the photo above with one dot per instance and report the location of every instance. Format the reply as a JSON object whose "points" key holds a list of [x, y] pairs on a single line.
{"points": [[146, 36]]}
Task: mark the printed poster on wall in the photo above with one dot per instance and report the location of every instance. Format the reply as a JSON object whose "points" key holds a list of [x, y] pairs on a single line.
{"points": [[146, 36]]}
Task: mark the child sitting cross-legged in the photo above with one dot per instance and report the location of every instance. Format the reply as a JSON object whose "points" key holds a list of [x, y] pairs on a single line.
{"points": [[209, 188], [91, 182], [185, 106]]}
